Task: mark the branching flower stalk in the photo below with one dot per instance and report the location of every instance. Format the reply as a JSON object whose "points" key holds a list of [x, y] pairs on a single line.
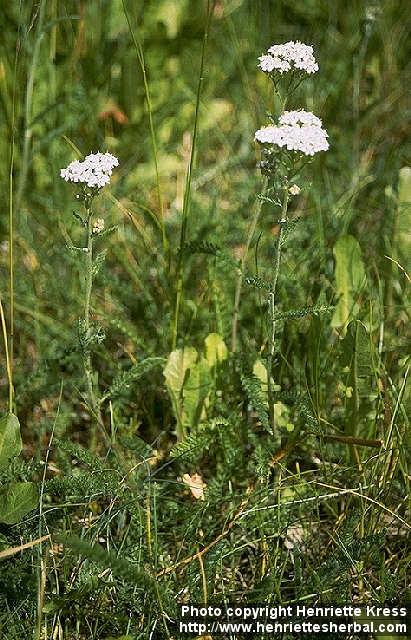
{"points": [[92, 175], [286, 144]]}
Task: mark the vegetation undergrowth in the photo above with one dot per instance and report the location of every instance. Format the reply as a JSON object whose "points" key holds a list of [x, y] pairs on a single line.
{"points": [[205, 338]]}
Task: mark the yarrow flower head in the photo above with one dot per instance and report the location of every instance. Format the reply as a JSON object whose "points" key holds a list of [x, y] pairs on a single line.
{"points": [[288, 56], [296, 131], [94, 171], [98, 226], [294, 190]]}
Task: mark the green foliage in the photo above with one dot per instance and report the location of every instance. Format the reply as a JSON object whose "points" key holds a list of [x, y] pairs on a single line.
{"points": [[99, 261], [401, 243], [121, 568], [175, 372], [301, 313], [350, 279], [258, 283], [10, 439], [198, 246], [289, 516], [197, 443], [252, 388], [17, 499], [189, 378], [124, 380], [215, 348]]}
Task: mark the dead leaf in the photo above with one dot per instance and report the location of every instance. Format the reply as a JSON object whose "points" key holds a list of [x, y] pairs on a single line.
{"points": [[111, 109], [195, 484]]}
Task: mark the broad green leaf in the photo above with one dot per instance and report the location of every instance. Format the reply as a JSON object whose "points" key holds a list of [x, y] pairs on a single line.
{"points": [[17, 499], [216, 350], [281, 416], [349, 279], [357, 350], [260, 372], [357, 360], [178, 364], [10, 439], [196, 390], [281, 410]]}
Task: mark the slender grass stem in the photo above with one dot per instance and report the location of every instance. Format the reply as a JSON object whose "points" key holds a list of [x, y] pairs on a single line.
{"points": [[7, 353], [140, 55], [240, 277], [271, 306], [28, 131], [11, 223], [187, 191]]}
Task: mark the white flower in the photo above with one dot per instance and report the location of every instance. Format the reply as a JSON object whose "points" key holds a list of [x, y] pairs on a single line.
{"points": [[94, 171], [266, 63], [296, 131], [98, 226], [294, 190], [268, 134], [269, 63], [284, 57], [300, 117]]}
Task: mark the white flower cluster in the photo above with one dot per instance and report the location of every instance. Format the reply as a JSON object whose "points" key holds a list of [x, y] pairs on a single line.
{"points": [[300, 117], [294, 190], [291, 55], [94, 171], [98, 226], [296, 131]]}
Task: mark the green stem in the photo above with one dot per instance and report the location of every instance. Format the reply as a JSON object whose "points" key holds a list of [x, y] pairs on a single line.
{"points": [[93, 403], [89, 286], [11, 229], [187, 192], [271, 307], [8, 361], [140, 56], [28, 131], [240, 276]]}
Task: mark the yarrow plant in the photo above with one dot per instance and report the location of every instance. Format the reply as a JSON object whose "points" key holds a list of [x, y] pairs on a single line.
{"points": [[291, 140], [91, 175]]}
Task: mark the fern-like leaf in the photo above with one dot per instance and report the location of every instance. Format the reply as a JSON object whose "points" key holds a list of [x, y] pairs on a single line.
{"points": [[305, 311], [125, 378], [258, 283], [252, 388]]}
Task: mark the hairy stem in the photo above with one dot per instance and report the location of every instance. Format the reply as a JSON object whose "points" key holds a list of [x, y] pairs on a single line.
{"points": [[88, 367], [271, 307], [89, 286], [93, 403]]}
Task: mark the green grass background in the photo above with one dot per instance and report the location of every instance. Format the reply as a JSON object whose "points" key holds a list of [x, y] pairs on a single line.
{"points": [[71, 79]]}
